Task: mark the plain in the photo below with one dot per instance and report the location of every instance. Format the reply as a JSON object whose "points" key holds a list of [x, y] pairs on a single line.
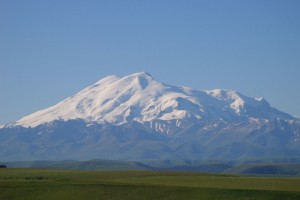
{"points": [[75, 184]]}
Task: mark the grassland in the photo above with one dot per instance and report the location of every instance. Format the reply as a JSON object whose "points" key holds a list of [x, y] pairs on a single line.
{"points": [[68, 184]]}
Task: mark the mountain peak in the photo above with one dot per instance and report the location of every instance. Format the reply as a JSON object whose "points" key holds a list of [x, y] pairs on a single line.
{"points": [[142, 74], [137, 117], [140, 80], [139, 97]]}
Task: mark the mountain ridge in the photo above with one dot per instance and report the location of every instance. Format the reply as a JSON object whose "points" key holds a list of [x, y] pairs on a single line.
{"points": [[137, 117], [139, 97]]}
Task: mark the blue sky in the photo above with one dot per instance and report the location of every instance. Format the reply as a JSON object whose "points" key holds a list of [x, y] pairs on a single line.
{"points": [[50, 50]]}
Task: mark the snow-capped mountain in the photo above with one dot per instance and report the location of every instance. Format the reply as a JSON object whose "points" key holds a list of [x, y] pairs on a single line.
{"points": [[138, 117], [141, 98]]}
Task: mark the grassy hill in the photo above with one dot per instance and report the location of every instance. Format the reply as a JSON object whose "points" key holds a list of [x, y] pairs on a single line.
{"points": [[78, 165], [290, 169], [266, 169]]}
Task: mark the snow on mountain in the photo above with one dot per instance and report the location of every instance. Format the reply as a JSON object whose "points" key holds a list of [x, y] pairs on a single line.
{"points": [[138, 117], [139, 97]]}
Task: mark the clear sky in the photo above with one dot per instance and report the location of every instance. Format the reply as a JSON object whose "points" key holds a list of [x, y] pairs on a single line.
{"points": [[50, 50]]}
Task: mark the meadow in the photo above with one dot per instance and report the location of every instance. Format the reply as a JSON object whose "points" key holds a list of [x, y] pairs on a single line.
{"points": [[75, 184]]}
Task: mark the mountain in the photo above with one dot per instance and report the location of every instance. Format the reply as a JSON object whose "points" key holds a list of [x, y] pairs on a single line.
{"points": [[137, 117]]}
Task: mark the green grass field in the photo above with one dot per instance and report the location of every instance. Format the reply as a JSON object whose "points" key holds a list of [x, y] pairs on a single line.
{"points": [[67, 184]]}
